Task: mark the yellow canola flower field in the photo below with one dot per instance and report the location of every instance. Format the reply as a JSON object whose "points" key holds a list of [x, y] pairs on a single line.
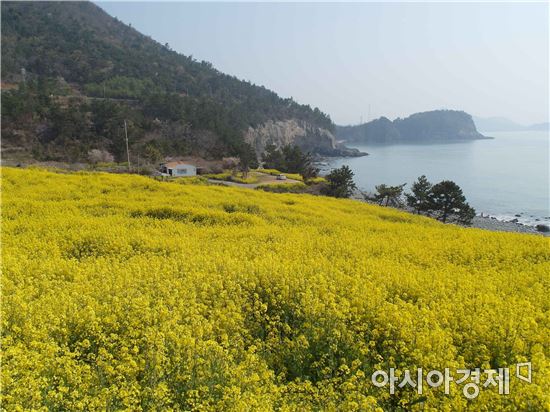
{"points": [[120, 292]]}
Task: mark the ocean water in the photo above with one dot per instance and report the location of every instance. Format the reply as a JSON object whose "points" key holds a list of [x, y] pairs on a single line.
{"points": [[502, 177]]}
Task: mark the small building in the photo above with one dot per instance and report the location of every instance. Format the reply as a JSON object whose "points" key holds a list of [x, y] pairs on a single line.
{"points": [[178, 169]]}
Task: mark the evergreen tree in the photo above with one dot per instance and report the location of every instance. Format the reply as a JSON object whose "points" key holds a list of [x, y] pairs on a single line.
{"points": [[340, 183], [447, 202], [274, 158], [418, 198], [247, 159], [290, 159], [390, 194]]}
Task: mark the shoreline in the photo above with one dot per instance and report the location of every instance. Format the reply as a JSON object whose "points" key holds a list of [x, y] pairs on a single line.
{"points": [[496, 225], [479, 222]]}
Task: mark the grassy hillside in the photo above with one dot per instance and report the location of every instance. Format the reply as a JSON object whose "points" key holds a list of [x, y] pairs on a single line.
{"points": [[175, 104], [124, 293]]}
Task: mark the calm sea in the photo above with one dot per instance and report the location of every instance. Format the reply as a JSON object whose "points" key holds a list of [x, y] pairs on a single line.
{"points": [[503, 177]]}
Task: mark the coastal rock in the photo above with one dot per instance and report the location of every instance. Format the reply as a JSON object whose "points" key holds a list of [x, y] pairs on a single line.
{"points": [[543, 228], [306, 136]]}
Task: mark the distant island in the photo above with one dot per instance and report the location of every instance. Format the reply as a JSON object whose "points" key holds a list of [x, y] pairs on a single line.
{"points": [[502, 124], [436, 126]]}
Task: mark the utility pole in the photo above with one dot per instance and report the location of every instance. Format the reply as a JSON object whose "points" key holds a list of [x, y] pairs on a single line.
{"points": [[127, 149]]}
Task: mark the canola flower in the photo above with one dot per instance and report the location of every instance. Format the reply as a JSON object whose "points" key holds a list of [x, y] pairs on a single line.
{"points": [[294, 176], [298, 187], [233, 177], [121, 292]]}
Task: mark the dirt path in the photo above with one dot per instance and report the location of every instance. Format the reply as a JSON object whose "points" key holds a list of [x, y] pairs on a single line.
{"points": [[264, 179]]}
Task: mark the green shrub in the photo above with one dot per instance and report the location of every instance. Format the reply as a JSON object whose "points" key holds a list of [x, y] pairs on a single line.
{"points": [[283, 188]]}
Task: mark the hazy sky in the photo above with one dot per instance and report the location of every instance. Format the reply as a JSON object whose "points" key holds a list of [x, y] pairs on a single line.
{"points": [[489, 59]]}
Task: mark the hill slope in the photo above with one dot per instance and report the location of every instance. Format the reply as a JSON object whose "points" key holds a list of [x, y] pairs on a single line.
{"points": [[433, 126], [84, 72], [121, 292]]}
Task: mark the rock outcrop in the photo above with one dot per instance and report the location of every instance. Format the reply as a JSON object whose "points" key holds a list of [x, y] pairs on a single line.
{"points": [[308, 137]]}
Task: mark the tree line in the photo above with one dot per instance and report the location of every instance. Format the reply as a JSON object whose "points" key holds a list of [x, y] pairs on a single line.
{"points": [[443, 201]]}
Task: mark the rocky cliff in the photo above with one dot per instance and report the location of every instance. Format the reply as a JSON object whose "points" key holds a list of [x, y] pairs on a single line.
{"points": [[308, 137]]}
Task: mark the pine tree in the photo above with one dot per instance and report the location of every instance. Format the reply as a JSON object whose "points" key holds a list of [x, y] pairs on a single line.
{"points": [[340, 183], [391, 194], [418, 198], [447, 201]]}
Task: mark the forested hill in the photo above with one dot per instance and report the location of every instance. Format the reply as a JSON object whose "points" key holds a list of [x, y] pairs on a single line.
{"points": [[71, 73], [434, 126]]}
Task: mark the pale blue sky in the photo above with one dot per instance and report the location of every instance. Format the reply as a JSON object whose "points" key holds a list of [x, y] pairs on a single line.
{"points": [[489, 59]]}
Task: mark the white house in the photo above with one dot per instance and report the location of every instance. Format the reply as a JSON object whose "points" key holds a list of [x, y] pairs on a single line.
{"points": [[178, 169]]}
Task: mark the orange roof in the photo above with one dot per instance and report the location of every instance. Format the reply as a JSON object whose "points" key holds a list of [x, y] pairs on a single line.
{"points": [[7, 86]]}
